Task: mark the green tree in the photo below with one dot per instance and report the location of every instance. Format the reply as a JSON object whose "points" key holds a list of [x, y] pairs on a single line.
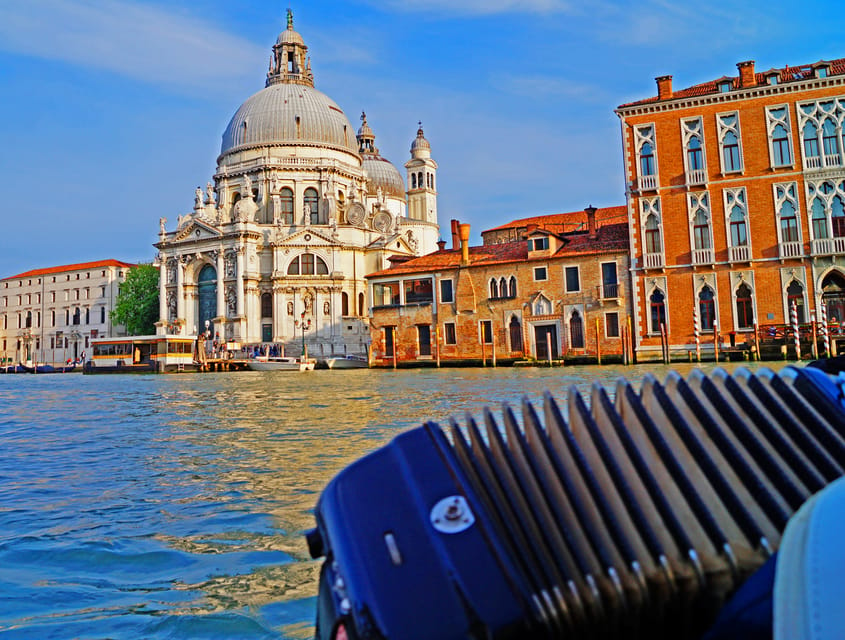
{"points": [[137, 301]]}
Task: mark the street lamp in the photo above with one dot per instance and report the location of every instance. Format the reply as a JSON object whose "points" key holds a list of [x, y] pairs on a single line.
{"points": [[305, 327]]}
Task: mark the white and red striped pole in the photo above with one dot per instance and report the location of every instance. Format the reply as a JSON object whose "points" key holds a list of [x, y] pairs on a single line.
{"points": [[795, 333], [823, 329], [697, 334]]}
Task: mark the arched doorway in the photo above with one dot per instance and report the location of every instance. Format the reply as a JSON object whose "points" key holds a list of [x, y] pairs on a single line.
{"points": [[833, 295], [515, 329], [576, 331], [207, 290]]}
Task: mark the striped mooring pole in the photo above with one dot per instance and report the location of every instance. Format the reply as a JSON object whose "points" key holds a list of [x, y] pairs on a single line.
{"points": [[795, 334], [697, 333], [823, 329]]}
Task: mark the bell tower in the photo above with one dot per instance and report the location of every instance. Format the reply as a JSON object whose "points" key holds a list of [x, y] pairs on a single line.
{"points": [[422, 181]]}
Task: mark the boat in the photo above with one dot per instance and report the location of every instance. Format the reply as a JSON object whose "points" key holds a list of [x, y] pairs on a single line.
{"points": [[48, 368], [281, 363], [143, 354], [13, 368], [350, 361]]}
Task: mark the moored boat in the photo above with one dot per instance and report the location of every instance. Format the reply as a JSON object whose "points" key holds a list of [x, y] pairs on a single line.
{"points": [[281, 363], [143, 354], [350, 361]]}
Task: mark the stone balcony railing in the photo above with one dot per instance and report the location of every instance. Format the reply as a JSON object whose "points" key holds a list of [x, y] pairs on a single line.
{"points": [[647, 183], [827, 246], [653, 260], [740, 254], [702, 256], [792, 249], [696, 176]]}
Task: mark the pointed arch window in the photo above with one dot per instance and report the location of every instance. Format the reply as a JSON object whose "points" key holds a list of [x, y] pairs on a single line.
{"points": [[512, 287], [811, 140], [515, 334], [286, 206], [830, 140], [778, 126], [657, 308], [819, 220], [795, 295], [646, 146], [494, 289], [576, 330], [739, 231], [707, 309], [695, 159], [646, 160], [837, 217], [729, 141], [744, 307], [652, 235]]}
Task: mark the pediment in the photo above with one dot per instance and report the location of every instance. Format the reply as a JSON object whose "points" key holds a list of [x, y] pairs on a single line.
{"points": [[197, 230], [309, 237], [395, 243]]}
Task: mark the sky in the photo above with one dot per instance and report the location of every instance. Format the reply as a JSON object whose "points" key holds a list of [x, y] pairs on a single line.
{"points": [[112, 111]]}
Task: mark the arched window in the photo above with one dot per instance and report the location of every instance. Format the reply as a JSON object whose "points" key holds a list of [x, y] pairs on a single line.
{"points": [[503, 287], [312, 205], [744, 308], [830, 141], [360, 304], [819, 220], [788, 222], [76, 316], [344, 303], [811, 141], [494, 289], [266, 305], [413, 181], [837, 217], [28, 322], [646, 160], [695, 160], [795, 295], [576, 331], [652, 235], [730, 152], [307, 264], [515, 331], [780, 146], [706, 309], [286, 206], [512, 287], [658, 310], [420, 180], [739, 232], [701, 230]]}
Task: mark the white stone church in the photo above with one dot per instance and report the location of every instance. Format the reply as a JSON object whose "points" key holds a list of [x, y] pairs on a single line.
{"points": [[299, 211]]}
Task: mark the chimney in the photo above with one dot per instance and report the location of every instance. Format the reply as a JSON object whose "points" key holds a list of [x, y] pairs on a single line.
{"points": [[532, 226], [441, 244], [746, 74], [455, 241], [464, 229], [664, 87], [591, 220]]}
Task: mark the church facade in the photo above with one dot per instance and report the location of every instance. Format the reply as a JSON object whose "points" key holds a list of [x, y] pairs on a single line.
{"points": [[300, 209]]}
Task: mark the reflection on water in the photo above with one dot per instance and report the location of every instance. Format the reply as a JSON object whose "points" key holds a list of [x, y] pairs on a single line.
{"points": [[174, 506]]}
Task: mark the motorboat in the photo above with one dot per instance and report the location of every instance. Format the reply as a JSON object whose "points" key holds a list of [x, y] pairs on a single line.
{"points": [[281, 363], [350, 361]]}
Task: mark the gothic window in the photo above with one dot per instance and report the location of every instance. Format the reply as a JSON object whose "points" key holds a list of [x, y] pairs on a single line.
{"points": [[515, 331], [744, 307], [739, 232], [286, 206], [512, 287], [503, 287], [830, 140], [692, 134], [651, 231], [795, 295], [729, 141], [652, 235], [837, 217], [645, 146], [736, 211], [819, 220], [811, 141], [699, 211], [781, 155], [576, 331], [657, 308], [821, 128], [694, 156], [646, 160], [494, 289], [701, 230], [307, 264], [707, 309], [786, 206], [312, 205], [827, 208]]}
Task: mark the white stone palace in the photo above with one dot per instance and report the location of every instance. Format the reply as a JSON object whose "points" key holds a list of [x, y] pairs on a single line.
{"points": [[299, 211]]}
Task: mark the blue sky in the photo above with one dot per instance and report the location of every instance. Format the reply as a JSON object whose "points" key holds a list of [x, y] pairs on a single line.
{"points": [[112, 111]]}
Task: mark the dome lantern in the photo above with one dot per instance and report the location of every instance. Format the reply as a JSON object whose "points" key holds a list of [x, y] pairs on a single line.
{"points": [[289, 62]]}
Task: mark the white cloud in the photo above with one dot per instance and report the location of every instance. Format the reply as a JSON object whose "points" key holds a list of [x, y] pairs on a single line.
{"points": [[130, 39], [477, 7]]}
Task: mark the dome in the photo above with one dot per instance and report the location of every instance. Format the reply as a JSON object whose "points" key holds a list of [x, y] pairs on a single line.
{"points": [[293, 114], [289, 36], [420, 147], [381, 173]]}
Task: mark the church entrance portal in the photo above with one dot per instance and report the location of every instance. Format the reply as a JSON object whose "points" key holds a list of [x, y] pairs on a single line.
{"points": [[207, 288]]}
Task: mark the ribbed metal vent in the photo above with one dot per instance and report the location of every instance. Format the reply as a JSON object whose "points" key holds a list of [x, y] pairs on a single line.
{"points": [[640, 516]]}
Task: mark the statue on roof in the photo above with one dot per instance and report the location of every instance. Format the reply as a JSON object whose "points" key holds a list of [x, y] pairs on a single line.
{"points": [[290, 19]]}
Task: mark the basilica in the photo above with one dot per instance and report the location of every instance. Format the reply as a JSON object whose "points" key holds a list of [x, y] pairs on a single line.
{"points": [[300, 209]]}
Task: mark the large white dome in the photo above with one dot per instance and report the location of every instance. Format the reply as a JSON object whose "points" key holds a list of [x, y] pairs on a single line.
{"points": [[289, 114]]}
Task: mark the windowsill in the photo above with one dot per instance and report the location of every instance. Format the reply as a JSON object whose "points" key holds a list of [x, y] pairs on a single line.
{"points": [[503, 298]]}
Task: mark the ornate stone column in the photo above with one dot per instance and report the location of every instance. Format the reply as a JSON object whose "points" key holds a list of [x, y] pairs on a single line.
{"points": [[162, 291], [221, 289], [180, 289], [239, 279]]}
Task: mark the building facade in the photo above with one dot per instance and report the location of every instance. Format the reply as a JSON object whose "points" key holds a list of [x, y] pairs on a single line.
{"points": [[50, 315], [301, 207], [544, 296], [736, 202]]}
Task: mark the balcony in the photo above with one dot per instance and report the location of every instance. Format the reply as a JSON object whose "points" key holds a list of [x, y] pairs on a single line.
{"points": [[696, 176], [702, 256], [740, 254], [827, 246], [653, 260], [790, 250], [609, 292], [833, 161], [813, 162], [647, 183]]}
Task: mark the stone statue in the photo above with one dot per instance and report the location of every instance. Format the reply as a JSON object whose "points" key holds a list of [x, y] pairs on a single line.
{"points": [[209, 192], [247, 186], [198, 199], [309, 303], [230, 265], [171, 306], [161, 223], [326, 308], [290, 308], [231, 302]]}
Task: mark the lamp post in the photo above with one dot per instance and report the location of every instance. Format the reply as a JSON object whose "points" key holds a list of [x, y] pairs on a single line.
{"points": [[305, 327]]}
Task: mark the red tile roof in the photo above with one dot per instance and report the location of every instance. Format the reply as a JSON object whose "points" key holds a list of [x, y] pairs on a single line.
{"points": [[72, 267], [564, 222], [785, 75], [609, 238]]}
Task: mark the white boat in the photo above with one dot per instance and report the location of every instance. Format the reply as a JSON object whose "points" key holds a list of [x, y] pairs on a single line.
{"points": [[281, 363], [351, 361]]}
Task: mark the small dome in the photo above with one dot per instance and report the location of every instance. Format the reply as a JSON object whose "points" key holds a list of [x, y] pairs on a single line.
{"points": [[382, 173], [293, 114], [289, 36], [420, 147]]}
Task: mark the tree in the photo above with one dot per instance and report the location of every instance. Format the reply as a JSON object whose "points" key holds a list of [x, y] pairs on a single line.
{"points": [[137, 302]]}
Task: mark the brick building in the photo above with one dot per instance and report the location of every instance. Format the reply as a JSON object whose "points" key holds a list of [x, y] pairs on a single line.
{"points": [[542, 295], [736, 202], [51, 314]]}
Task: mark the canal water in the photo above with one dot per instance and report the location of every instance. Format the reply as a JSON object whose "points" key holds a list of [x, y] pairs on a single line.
{"points": [[174, 506]]}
